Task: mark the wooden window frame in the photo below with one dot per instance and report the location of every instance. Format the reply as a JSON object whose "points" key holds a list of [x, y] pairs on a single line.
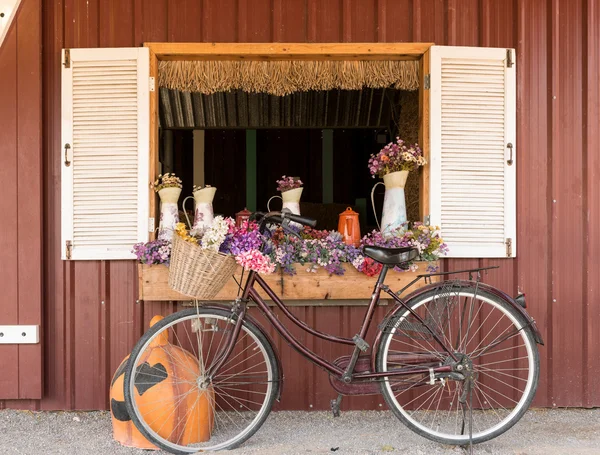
{"points": [[295, 51]]}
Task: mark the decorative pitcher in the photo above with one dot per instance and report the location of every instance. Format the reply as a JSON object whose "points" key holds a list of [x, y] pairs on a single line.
{"points": [[169, 213], [290, 199], [394, 203], [203, 213], [349, 227]]}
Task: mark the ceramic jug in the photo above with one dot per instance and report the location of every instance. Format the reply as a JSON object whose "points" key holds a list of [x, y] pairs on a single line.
{"points": [[203, 213], [290, 199], [394, 203], [349, 227], [169, 213]]}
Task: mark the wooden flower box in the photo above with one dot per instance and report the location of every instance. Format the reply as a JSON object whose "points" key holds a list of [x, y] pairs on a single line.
{"points": [[319, 285]]}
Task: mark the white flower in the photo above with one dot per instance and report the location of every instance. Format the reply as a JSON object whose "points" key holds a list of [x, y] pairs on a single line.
{"points": [[215, 235], [358, 262]]}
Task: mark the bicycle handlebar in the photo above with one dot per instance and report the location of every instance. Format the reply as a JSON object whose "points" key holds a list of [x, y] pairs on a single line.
{"points": [[280, 217]]}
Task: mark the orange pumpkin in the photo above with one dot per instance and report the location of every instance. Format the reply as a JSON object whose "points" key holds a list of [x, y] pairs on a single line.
{"points": [[166, 374]]}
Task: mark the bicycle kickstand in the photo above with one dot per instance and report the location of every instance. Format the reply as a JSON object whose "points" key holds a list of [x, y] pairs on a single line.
{"points": [[335, 405], [467, 393], [471, 420]]}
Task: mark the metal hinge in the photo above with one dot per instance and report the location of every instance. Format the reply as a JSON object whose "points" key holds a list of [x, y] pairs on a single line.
{"points": [[152, 84], [427, 220], [508, 243], [427, 81], [69, 247], [509, 58], [151, 224], [67, 61]]}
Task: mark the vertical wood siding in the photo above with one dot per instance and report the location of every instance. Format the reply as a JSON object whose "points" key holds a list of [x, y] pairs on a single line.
{"points": [[91, 319], [21, 200]]}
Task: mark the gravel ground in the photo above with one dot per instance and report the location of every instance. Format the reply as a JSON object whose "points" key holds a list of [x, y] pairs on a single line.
{"points": [[553, 432]]}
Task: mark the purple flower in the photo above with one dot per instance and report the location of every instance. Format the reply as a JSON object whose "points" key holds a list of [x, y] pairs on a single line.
{"points": [[154, 252]]}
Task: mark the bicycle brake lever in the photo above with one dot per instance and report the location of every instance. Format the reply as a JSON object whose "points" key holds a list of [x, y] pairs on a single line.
{"points": [[286, 228]]}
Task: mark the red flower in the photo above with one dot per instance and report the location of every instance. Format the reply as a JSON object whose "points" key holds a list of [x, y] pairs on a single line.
{"points": [[371, 267]]}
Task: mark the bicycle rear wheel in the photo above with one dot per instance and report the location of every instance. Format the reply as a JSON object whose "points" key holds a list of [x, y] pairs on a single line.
{"points": [[490, 337], [175, 402]]}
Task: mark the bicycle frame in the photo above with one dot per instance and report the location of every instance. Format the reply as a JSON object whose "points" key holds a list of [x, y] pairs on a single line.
{"points": [[250, 293]]}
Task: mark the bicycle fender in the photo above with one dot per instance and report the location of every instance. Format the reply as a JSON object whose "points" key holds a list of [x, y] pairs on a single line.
{"points": [[485, 287], [267, 336]]}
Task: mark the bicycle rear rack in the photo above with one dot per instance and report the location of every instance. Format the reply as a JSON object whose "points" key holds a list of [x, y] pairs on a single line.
{"points": [[427, 276]]}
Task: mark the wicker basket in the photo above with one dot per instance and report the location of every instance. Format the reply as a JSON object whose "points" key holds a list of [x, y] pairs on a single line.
{"points": [[196, 272]]}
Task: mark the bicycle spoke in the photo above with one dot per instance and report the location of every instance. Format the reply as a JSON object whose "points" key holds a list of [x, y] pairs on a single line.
{"points": [[236, 399], [243, 371], [499, 393], [502, 361], [511, 348], [488, 370]]}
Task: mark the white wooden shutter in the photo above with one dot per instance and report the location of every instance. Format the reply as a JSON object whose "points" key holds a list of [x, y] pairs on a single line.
{"points": [[105, 122], [472, 124]]}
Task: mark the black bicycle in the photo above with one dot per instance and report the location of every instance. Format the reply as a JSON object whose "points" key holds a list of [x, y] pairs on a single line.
{"points": [[456, 361]]}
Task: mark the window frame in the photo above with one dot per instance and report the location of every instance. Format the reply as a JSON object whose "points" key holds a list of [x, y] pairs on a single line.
{"points": [[293, 51]]}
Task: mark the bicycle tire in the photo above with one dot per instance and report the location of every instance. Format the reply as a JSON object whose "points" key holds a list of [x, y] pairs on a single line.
{"points": [[156, 331], [404, 414]]}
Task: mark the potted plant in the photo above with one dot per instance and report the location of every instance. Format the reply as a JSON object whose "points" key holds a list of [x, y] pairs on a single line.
{"points": [[393, 163], [203, 213], [291, 191], [168, 186]]}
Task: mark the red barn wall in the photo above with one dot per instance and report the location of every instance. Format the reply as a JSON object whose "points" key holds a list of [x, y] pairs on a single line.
{"points": [[91, 318], [21, 199]]}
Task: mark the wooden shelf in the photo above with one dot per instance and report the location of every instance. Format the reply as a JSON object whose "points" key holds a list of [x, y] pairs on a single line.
{"points": [[319, 285]]}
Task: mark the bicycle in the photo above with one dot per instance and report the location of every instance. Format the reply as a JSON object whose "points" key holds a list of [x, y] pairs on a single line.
{"points": [[456, 361]]}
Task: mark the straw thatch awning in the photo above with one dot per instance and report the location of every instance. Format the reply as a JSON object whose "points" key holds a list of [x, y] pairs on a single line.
{"points": [[284, 77]]}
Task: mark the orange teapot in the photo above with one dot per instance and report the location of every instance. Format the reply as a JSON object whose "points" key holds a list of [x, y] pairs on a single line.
{"points": [[349, 227]]}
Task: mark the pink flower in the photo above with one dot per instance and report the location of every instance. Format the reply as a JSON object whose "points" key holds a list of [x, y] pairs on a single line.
{"points": [[255, 260]]}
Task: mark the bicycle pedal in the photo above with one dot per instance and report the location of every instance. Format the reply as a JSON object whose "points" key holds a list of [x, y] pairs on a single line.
{"points": [[360, 343], [335, 406]]}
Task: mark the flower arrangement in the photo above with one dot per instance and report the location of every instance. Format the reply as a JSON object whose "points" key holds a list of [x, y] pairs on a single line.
{"points": [[288, 183], [154, 252], [199, 187], [315, 248], [182, 231], [223, 236], [318, 248], [396, 156], [426, 239], [255, 260], [168, 180]]}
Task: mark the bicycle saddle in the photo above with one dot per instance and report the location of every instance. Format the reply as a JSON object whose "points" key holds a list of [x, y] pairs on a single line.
{"points": [[391, 256]]}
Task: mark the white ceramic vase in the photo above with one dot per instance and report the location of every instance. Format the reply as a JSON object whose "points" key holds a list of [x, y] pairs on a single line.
{"points": [[394, 202], [169, 212], [203, 213], [291, 200]]}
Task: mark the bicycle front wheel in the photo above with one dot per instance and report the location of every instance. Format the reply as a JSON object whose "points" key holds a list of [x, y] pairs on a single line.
{"points": [[176, 402], [490, 338]]}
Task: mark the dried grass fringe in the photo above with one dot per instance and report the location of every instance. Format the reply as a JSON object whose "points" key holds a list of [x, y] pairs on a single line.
{"points": [[284, 77]]}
